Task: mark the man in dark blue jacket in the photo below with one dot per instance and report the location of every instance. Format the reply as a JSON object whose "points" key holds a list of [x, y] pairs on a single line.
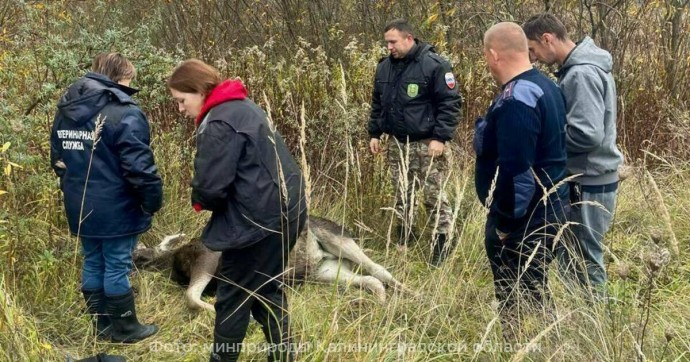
{"points": [[520, 147], [100, 150], [416, 101]]}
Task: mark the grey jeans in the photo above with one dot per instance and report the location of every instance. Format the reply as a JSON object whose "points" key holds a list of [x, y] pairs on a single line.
{"points": [[584, 254]]}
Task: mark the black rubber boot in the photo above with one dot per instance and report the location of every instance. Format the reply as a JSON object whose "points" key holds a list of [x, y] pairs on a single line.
{"points": [[95, 303], [102, 357], [276, 333], [400, 235], [404, 236], [225, 349], [442, 249], [123, 316]]}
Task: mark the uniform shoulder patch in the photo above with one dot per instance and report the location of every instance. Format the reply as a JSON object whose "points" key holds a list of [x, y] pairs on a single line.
{"points": [[450, 80], [523, 91]]}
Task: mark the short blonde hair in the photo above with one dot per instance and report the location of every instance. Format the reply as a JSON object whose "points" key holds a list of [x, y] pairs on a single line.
{"points": [[114, 65]]}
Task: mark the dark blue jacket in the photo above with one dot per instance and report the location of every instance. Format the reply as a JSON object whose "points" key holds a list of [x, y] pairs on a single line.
{"points": [[415, 98], [522, 137], [123, 188]]}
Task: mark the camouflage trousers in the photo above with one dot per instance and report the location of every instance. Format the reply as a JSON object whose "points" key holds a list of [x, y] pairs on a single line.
{"points": [[413, 170]]}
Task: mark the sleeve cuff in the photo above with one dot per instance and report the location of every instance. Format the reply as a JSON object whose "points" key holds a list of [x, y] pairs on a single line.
{"points": [[506, 225]]}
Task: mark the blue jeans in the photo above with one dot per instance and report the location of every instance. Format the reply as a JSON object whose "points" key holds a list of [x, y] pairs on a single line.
{"points": [[593, 213], [107, 263]]}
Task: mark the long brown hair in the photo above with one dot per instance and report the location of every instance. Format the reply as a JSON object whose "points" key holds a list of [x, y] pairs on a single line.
{"points": [[194, 76]]}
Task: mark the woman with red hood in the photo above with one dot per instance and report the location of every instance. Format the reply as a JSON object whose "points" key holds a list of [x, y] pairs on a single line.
{"points": [[245, 175]]}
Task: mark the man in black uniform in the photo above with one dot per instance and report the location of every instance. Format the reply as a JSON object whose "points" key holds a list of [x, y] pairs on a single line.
{"points": [[416, 100]]}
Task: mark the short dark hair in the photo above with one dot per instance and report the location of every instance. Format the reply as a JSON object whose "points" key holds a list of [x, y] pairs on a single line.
{"points": [[539, 24], [400, 25]]}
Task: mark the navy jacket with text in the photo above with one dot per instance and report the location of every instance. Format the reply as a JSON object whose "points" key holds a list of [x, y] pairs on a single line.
{"points": [[521, 144], [123, 188]]}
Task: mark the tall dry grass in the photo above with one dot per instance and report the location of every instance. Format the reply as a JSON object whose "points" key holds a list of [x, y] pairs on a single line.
{"points": [[452, 318], [319, 101]]}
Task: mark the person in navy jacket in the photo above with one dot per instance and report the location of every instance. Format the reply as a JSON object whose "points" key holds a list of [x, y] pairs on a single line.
{"points": [[100, 149], [520, 147]]}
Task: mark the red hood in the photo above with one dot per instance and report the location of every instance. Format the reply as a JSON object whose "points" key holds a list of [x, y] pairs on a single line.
{"points": [[229, 90]]}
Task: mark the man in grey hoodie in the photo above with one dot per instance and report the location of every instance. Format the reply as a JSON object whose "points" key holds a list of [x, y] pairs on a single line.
{"points": [[590, 94]]}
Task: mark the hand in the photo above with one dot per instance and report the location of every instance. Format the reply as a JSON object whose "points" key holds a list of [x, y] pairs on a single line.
{"points": [[501, 235], [375, 145], [436, 148]]}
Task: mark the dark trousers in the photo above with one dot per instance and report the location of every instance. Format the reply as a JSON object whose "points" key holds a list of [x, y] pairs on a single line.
{"points": [[250, 281], [520, 264]]}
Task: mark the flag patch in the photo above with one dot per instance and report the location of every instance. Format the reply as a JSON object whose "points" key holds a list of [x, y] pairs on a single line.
{"points": [[450, 80]]}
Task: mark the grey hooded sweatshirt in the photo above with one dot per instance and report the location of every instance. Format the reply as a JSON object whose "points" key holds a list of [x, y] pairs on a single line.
{"points": [[590, 94]]}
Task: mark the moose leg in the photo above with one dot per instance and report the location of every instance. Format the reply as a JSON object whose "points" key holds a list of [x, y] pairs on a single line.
{"points": [[170, 242], [331, 270], [203, 271], [346, 248]]}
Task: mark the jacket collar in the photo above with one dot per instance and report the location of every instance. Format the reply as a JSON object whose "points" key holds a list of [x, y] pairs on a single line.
{"points": [[226, 91], [110, 84]]}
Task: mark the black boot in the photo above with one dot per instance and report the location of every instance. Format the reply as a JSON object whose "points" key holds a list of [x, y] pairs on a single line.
{"points": [[95, 303], [401, 240], [225, 349], [404, 235], [102, 357], [441, 250], [123, 316], [279, 349]]}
